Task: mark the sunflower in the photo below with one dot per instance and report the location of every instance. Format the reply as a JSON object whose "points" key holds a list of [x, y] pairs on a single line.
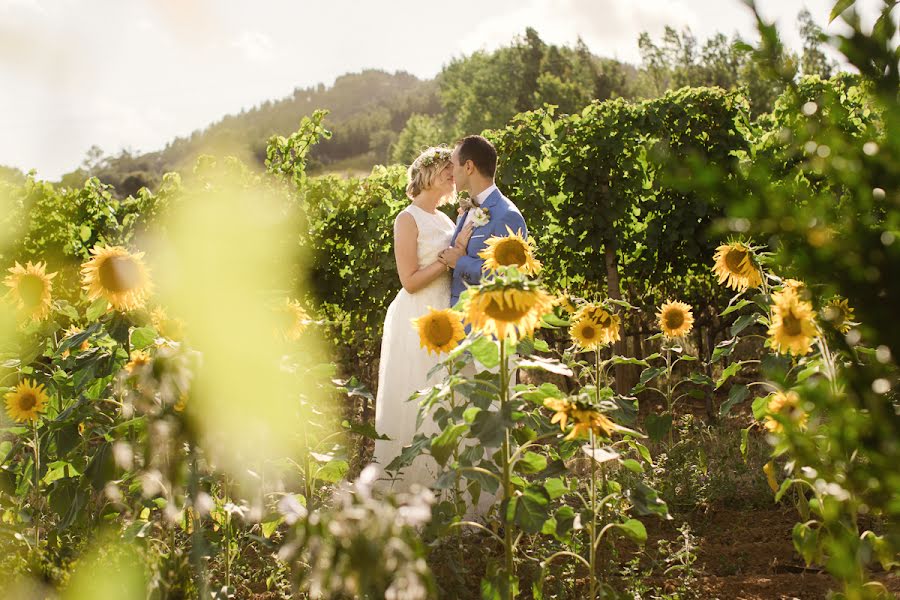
{"points": [[608, 322], [675, 319], [793, 327], [293, 319], [784, 403], [736, 267], [587, 334], [138, 359], [117, 275], [440, 330], [26, 401], [509, 306], [561, 409], [587, 420], [513, 250], [166, 327], [29, 288], [839, 313]]}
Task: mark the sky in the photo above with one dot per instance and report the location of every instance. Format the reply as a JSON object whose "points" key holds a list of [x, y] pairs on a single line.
{"points": [[135, 74]]}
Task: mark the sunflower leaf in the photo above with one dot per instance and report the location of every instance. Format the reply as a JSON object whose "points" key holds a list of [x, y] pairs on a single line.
{"points": [[486, 352], [546, 364]]}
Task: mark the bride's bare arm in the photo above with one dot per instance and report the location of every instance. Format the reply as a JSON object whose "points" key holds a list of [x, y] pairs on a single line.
{"points": [[406, 235]]}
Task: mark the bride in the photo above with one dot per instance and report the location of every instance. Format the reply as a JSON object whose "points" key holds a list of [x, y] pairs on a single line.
{"points": [[421, 232]]}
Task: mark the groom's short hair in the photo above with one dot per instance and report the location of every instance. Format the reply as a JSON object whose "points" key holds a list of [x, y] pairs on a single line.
{"points": [[481, 152]]}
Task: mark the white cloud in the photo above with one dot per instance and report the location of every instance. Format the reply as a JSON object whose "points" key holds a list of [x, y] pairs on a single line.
{"points": [[255, 46], [609, 27]]}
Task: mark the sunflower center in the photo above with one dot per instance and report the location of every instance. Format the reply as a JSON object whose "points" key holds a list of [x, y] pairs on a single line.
{"points": [[734, 260], [119, 274], [439, 331], [505, 311], [791, 325], [511, 253], [31, 289], [674, 319], [589, 332], [27, 401]]}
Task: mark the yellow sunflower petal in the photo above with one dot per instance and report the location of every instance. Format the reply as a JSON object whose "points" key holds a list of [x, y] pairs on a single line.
{"points": [[675, 319], [736, 267], [117, 275], [440, 330], [512, 250], [30, 288], [793, 328], [26, 401]]}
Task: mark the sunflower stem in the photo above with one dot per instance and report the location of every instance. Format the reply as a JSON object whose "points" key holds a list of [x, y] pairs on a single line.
{"points": [[507, 479], [37, 483], [592, 551], [197, 541]]}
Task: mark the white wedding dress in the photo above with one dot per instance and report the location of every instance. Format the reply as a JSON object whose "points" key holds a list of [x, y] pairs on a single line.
{"points": [[405, 364]]}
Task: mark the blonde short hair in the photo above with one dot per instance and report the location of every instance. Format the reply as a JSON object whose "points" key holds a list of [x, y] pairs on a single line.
{"points": [[422, 172]]}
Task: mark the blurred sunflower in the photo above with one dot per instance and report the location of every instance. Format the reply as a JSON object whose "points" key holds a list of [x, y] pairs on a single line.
{"points": [[839, 313], [117, 275], [587, 334], [138, 359], [513, 250], [30, 288], [293, 319], [166, 327], [587, 420], [561, 409], [736, 267], [26, 401], [508, 306], [675, 319], [787, 404], [793, 326], [440, 330]]}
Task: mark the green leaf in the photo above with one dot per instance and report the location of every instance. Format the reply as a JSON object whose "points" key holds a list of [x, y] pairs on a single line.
{"points": [[59, 469], [643, 451], [627, 360], [85, 233], [658, 426], [760, 407], [541, 346], [97, 308], [723, 349], [555, 487], [486, 351], [737, 306], [839, 7], [633, 465], [333, 471], [442, 446], [745, 441], [270, 527], [738, 393], [531, 462], [729, 371], [142, 337], [531, 508], [742, 323], [806, 541], [635, 530]]}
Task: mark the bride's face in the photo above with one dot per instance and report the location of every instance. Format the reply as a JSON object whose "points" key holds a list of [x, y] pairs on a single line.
{"points": [[444, 182]]}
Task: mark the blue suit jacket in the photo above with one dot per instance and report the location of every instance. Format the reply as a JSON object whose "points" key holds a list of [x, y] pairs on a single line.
{"points": [[503, 213]]}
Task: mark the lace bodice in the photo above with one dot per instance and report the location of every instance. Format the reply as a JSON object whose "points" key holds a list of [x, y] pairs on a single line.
{"points": [[435, 232]]}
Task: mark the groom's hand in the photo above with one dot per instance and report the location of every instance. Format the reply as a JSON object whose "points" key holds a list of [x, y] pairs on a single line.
{"points": [[451, 255]]}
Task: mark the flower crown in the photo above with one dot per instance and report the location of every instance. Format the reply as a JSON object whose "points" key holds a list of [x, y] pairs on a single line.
{"points": [[437, 155]]}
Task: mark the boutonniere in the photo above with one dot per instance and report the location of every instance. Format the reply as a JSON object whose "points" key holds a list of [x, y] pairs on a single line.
{"points": [[481, 217]]}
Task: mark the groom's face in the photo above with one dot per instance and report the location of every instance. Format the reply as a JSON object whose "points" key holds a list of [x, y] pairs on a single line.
{"points": [[460, 172]]}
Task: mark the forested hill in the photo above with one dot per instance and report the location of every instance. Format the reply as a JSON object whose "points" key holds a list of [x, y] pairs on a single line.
{"points": [[379, 117]]}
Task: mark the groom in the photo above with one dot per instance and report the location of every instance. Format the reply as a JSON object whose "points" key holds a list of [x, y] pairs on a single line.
{"points": [[474, 164]]}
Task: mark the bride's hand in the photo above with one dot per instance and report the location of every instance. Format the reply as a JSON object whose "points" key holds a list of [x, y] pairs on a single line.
{"points": [[462, 240]]}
